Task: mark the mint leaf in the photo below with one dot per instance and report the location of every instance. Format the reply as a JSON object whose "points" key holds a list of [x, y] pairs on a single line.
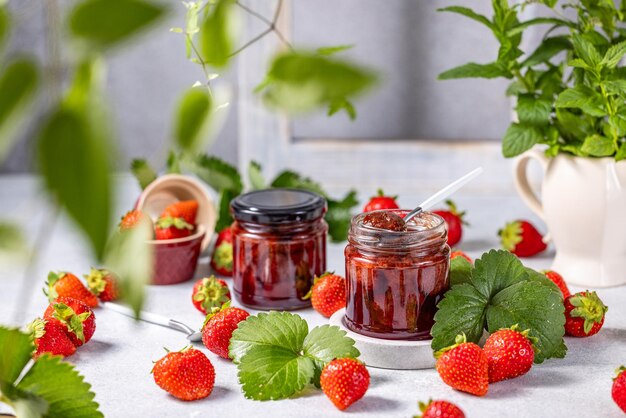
{"points": [[460, 271], [519, 28], [473, 70], [614, 55], [331, 50], [193, 117], [216, 34], [598, 146], [282, 329], [546, 50], [519, 138], [326, 343], [342, 104], [621, 153], [585, 50], [533, 111], [17, 348], [464, 11], [277, 356], [462, 310], [584, 98], [105, 22], [143, 172], [255, 176], [531, 306], [273, 372], [60, 385], [500, 293]]}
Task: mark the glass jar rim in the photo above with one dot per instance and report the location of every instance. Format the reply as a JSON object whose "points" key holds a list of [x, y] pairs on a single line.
{"points": [[430, 230]]}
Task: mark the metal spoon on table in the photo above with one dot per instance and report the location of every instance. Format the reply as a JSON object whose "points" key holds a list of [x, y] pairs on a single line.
{"points": [[443, 193], [192, 334]]}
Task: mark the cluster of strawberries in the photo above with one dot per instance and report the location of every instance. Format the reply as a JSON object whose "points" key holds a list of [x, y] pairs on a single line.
{"points": [[177, 220], [69, 321]]}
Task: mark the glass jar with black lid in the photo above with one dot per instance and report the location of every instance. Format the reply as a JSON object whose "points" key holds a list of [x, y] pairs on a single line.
{"points": [[279, 246]]}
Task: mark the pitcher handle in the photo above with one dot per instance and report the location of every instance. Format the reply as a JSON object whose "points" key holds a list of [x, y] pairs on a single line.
{"points": [[521, 180]]}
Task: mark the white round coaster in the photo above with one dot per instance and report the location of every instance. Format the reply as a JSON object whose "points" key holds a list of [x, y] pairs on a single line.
{"points": [[388, 354]]}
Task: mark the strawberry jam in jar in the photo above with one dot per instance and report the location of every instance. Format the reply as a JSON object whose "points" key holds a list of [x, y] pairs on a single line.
{"points": [[396, 274], [279, 246]]}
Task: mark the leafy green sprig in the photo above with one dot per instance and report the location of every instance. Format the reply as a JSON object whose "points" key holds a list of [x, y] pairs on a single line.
{"points": [[570, 90]]}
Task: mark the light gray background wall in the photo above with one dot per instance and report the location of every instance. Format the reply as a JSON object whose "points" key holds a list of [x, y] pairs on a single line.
{"points": [[406, 40]]}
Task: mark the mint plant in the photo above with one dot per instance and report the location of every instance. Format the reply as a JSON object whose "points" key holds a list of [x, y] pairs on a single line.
{"points": [[571, 89]]}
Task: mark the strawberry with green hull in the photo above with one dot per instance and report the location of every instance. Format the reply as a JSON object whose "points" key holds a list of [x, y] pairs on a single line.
{"points": [[222, 258], [618, 391], [67, 285], [454, 220], [328, 294], [510, 353], [209, 293], [344, 381], [584, 314], [459, 253], [439, 409], [132, 218], [464, 367], [521, 238], [186, 210], [172, 228], [558, 280], [75, 317], [380, 202], [187, 374], [103, 284], [219, 326], [50, 337]]}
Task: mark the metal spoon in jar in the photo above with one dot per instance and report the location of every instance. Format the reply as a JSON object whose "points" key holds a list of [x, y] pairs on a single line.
{"points": [[443, 193]]}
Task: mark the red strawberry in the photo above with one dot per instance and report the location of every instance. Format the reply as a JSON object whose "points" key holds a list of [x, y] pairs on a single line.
{"points": [[186, 209], [222, 258], [440, 409], [618, 392], [509, 352], [584, 314], [454, 220], [132, 219], [77, 318], [380, 201], [557, 279], [172, 228], [68, 285], [103, 284], [50, 337], [209, 293], [219, 326], [187, 374], [459, 253], [344, 381], [328, 294], [522, 239], [464, 366]]}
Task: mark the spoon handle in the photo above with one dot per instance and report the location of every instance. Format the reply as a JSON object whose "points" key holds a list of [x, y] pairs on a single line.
{"points": [[443, 193]]}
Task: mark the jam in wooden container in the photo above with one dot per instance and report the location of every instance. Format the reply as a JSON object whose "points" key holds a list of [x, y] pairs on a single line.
{"points": [[279, 246], [395, 276]]}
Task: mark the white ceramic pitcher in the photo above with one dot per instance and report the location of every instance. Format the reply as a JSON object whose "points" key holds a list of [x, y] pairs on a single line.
{"points": [[584, 206]]}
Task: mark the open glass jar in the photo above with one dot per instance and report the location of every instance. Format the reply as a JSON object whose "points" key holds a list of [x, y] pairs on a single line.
{"points": [[279, 246], [396, 278]]}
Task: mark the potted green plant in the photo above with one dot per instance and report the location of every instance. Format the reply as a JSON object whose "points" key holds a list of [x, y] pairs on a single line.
{"points": [[571, 101]]}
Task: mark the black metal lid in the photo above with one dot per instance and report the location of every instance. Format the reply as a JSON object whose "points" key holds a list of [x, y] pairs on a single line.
{"points": [[276, 206]]}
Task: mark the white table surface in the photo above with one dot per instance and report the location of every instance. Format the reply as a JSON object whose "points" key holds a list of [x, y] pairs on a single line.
{"points": [[118, 360]]}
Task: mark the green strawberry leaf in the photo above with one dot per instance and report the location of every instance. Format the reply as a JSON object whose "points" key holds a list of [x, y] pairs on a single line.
{"points": [[273, 372], [326, 343], [277, 356], [25, 405], [60, 385], [17, 348], [339, 216], [497, 293], [217, 173]]}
